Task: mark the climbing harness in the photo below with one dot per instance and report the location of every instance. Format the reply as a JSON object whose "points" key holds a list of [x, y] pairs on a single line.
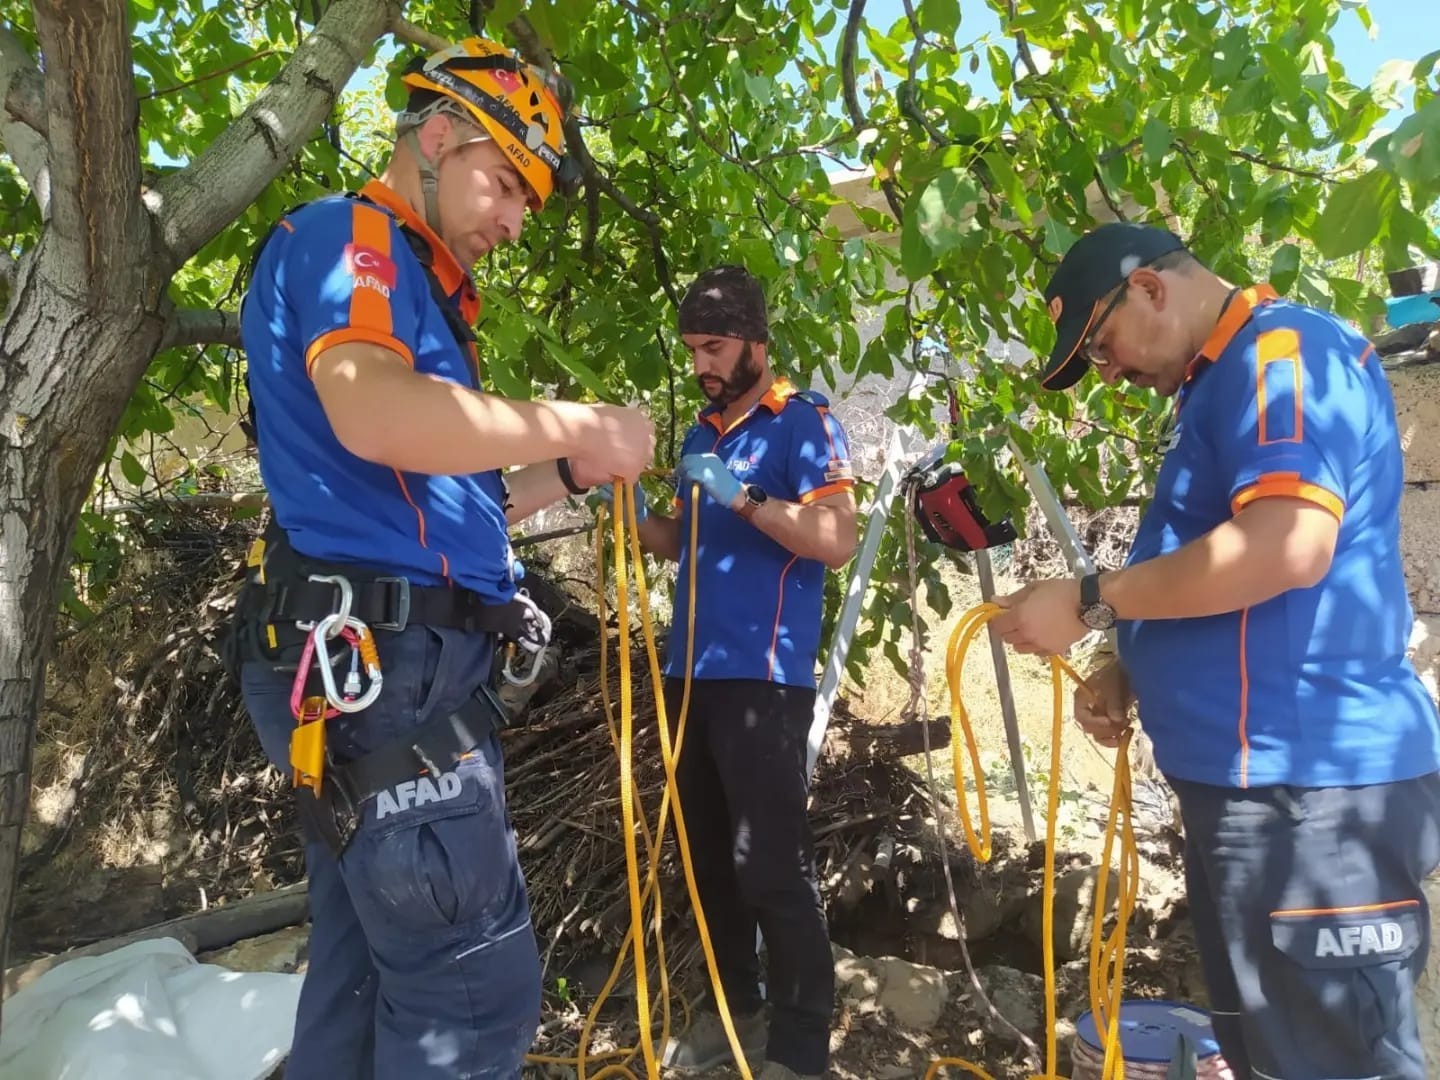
{"points": [[292, 609]]}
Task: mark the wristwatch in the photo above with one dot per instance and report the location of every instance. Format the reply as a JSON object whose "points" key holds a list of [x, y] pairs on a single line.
{"points": [[754, 498], [1094, 612]]}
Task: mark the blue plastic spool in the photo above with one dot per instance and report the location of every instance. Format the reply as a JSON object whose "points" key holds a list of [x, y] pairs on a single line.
{"points": [[1150, 1030]]}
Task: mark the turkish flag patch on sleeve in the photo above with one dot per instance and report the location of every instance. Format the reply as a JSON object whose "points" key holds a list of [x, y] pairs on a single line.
{"points": [[364, 261]]}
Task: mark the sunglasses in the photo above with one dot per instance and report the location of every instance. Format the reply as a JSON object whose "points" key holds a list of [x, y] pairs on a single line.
{"points": [[1095, 327]]}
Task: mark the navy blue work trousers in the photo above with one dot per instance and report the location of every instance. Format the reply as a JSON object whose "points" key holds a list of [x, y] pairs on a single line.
{"points": [[423, 963], [1311, 923]]}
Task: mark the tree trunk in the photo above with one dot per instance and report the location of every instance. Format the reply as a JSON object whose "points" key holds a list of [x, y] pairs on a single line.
{"points": [[66, 372]]}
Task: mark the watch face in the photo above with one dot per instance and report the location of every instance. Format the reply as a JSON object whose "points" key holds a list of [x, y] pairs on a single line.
{"points": [[1098, 616], [756, 494]]}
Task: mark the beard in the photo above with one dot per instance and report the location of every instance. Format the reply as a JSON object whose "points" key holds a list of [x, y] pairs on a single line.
{"points": [[742, 380]]}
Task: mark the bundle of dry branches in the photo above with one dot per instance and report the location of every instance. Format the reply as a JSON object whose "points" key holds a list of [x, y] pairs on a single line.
{"points": [[147, 768]]}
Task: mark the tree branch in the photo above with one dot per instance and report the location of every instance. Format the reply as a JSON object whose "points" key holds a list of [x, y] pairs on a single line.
{"points": [[404, 30], [22, 87], [1275, 166], [852, 99], [535, 52], [194, 204], [23, 123], [1022, 46], [196, 326], [226, 70], [96, 216]]}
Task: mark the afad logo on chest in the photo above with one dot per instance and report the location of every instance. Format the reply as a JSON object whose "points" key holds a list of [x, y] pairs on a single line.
{"points": [[370, 268], [742, 465]]}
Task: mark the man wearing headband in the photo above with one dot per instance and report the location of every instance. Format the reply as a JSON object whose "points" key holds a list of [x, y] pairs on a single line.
{"points": [[386, 460], [1262, 623], [776, 508]]}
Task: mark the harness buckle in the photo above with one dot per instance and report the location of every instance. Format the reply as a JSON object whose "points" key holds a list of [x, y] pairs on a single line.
{"points": [[402, 605]]}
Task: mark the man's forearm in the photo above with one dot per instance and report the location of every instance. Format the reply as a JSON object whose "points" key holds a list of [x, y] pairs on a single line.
{"points": [[1257, 555], [416, 423], [533, 488], [660, 536], [822, 531]]}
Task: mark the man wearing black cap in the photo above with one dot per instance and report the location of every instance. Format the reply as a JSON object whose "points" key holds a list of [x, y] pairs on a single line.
{"points": [[1262, 622], [776, 508]]}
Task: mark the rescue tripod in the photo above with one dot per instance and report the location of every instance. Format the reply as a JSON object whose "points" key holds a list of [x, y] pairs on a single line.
{"points": [[903, 444]]}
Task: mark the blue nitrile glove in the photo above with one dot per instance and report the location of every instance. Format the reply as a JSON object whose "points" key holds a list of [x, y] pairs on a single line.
{"points": [[604, 494], [711, 474]]}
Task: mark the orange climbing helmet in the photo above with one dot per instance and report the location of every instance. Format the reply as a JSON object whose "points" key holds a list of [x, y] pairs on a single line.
{"points": [[518, 105]]}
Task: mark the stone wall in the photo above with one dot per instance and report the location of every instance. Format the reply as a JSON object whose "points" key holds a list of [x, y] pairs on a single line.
{"points": [[1416, 387]]}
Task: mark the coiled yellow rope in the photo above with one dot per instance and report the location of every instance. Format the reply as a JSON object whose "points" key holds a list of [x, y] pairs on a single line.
{"points": [[1107, 954]]}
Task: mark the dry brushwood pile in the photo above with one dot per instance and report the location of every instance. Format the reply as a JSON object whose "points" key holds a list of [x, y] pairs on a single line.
{"points": [[152, 800]]}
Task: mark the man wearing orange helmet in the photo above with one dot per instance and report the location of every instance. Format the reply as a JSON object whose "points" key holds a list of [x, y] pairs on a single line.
{"points": [[393, 476]]}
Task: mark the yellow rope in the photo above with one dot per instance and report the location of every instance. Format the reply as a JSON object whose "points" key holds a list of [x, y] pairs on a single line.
{"points": [[1107, 955], [632, 809]]}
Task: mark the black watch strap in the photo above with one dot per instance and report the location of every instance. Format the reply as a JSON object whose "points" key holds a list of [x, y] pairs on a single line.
{"points": [[1089, 590], [562, 466]]}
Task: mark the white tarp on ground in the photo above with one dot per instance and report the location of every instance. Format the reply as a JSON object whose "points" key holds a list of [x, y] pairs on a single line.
{"points": [[148, 1011]]}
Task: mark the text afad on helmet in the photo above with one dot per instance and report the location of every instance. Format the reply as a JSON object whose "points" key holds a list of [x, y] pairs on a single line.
{"points": [[518, 153]]}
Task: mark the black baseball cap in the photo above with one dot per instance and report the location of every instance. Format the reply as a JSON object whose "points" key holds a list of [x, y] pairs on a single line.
{"points": [[1097, 262]]}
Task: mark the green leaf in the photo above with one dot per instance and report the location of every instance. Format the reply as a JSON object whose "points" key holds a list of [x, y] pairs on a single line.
{"points": [[1128, 17], [133, 470], [1356, 214], [917, 258], [1001, 72], [940, 17], [1156, 139], [1415, 148], [947, 209], [1285, 268], [888, 51], [1059, 237], [577, 369], [760, 88]]}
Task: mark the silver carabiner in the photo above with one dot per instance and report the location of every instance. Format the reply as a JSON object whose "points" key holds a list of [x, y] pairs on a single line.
{"points": [[540, 630], [328, 628], [347, 598]]}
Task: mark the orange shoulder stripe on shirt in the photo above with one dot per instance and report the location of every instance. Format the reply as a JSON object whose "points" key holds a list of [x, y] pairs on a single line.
{"points": [[828, 489], [829, 437], [369, 318], [1288, 484], [1279, 349], [331, 338], [369, 305]]}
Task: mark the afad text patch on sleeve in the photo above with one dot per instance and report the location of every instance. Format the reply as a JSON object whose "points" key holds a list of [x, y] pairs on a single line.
{"points": [[838, 469], [370, 268]]}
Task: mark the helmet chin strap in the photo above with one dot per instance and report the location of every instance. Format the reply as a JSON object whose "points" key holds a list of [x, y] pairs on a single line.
{"points": [[429, 180]]}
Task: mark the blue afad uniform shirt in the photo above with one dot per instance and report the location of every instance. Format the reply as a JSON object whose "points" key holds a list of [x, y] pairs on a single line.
{"points": [[341, 270], [758, 606], [1311, 688]]}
